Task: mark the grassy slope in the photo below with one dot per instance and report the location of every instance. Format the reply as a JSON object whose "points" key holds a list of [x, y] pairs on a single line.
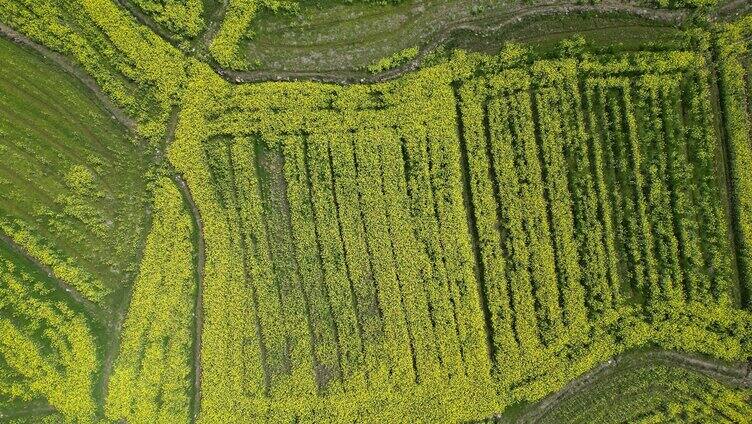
{"points": [[52, 130]]}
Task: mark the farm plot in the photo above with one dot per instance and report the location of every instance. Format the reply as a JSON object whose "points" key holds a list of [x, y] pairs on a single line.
{"points": [[73, 189], [151, 377], [342, 275], [595, 188], [339, 274], [433, 248]]}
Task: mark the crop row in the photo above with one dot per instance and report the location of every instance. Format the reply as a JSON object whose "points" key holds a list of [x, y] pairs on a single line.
{"points": [[579, 187], [732, 46], [339, 253]]}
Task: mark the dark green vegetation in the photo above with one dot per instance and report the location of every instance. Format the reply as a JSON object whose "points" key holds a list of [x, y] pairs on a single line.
{"points": [[73, 190], [438, 247]]}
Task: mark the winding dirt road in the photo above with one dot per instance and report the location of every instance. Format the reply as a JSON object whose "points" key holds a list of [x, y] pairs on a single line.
{"points": [[199, 308]]}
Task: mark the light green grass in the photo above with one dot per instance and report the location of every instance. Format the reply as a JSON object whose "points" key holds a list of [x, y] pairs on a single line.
{"points": [[71, 175]]}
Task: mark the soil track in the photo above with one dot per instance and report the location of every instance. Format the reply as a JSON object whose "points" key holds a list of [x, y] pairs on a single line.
{"points": [[199, 308]]}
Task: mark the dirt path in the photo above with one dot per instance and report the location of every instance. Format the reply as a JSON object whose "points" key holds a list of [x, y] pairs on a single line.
{"points": [[199, 308], [479, 24], [203, 41], [90, 307], [738, 376]]}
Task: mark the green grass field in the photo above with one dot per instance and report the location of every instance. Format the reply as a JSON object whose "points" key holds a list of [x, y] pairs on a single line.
{"points": [[465, 240], [74, 181], [352, 37]]}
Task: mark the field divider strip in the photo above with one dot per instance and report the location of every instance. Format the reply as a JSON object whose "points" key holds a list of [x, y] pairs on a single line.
{"points": [[199, 305]]}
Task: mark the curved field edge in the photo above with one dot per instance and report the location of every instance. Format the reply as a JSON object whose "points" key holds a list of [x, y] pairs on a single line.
{"points": [[151, 374], [109, 342], [73, 190], [734, 377]]}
